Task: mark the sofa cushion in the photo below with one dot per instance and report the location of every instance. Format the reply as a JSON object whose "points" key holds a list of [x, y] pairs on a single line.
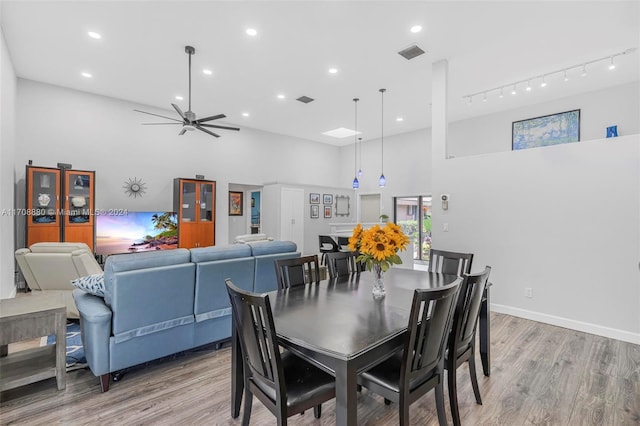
{"points": [[58, 247], [93, 284], [208, 254], [144, 260], [261, 248]]}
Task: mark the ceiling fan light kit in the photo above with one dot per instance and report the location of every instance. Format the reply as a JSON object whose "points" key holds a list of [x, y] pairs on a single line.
{"points": [[189, 120]]}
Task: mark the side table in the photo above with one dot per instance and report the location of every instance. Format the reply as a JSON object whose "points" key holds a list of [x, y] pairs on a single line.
{"points": [[29, 317]]}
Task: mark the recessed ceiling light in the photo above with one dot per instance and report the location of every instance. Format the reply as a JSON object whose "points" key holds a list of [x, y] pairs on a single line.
{"points": [[179, 98], [94, 35], [86, 75], [416, 29], [251, 31], [333, 70], [280, 96], [245, 114], [207, 72], [399, 119], [341, 132]]}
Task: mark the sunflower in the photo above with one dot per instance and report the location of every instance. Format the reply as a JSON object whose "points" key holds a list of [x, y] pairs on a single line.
{"points": [[378, 245]]}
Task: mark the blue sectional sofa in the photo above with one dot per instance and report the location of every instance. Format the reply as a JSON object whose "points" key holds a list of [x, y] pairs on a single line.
{"points": [[160, 303]]}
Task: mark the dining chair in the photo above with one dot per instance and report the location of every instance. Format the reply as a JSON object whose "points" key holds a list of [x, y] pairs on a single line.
{"points": [[341, 263], [343, 242], [419, 367], [327, 245], [461, 346], [283, 382], [450, 262], [297, 271]]}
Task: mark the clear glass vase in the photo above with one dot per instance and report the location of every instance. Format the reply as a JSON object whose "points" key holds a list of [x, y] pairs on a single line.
{"points": [[378, 281]]}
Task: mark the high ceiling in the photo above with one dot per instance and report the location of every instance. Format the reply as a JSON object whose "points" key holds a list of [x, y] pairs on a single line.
{"points": [[488, 44]]}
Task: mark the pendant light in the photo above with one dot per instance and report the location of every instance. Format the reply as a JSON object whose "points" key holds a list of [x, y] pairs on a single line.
{"points": [[356, 183], [382, 181]]}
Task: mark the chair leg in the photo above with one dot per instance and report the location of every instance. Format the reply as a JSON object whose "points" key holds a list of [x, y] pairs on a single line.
{"points": [[453, 395], [474, 378], [442, 417], [104, 382], [248, 401], [403, 411], [317, 411]]}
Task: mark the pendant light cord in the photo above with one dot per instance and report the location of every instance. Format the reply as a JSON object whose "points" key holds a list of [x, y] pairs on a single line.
{"points": [[382, 131], [355, 139]]}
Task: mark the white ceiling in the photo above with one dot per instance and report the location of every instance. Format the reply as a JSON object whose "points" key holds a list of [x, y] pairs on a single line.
{"points": [[141, 58]]}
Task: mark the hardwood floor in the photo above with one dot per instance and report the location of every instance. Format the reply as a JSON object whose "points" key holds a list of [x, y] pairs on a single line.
{"points": [[541, 375]]}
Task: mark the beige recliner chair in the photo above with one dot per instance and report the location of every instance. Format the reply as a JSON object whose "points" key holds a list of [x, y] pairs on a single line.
{"points": [[50, 267]]}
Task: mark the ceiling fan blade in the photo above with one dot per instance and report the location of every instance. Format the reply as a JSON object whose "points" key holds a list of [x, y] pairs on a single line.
{"points": [[219, 127], [158, 115], [177, 108], [206, 131], [213, 117], [182, 132], [155, 124]]}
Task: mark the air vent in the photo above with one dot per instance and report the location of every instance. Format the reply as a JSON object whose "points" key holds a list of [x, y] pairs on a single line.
{"points": [[305, 99], [411, 52]]}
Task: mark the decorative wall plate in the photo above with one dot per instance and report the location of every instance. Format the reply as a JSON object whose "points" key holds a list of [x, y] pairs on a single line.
{"points": [[134, 187]]}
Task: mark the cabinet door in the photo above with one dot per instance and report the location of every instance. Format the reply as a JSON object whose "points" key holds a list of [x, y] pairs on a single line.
{"points": [[188, 208], [292, 216], [78, 207], [43, 205]]}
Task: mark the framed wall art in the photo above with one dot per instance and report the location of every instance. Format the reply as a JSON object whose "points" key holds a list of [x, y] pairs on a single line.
{"points": [[327, 199], [327, 211], [315, 211], [235, 203], [553, 129], [314, 198]]}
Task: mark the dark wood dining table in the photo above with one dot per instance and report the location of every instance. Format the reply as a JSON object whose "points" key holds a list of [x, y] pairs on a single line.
{"points": [[338, 325]]}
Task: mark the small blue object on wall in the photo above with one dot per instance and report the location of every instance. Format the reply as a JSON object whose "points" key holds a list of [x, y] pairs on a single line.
{"points": [[612, 132]]}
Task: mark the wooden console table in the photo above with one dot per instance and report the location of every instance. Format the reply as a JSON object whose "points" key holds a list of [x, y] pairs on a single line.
{"points": [[29, 317]]}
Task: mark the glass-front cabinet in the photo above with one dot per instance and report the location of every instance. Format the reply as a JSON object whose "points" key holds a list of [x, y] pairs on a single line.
{"points": [[43, 204], [194, 201], [79, 194], [60, 205]]}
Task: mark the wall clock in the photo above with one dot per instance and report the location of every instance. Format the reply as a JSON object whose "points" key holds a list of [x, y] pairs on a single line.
{"points": [[134, 187]]}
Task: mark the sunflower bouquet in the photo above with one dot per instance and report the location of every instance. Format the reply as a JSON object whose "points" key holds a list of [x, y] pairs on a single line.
{"points": [[377, 247]]}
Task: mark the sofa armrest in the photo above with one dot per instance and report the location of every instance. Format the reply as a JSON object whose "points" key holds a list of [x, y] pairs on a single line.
{"points": [[95, 325]]}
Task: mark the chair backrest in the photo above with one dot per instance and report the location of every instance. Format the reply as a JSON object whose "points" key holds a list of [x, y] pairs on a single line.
{"points": [[297, 271], [428, 331], [327, 244], [467, 310], [450, 262], [341, 263], [343, 242], [256, 333]]}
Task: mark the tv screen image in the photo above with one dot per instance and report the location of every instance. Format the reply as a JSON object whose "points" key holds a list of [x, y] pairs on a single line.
{"points": [[136, 232]]}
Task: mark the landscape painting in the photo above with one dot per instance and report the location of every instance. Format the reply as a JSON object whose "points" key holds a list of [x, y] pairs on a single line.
{"points": [[547, 130], [135, 232]]}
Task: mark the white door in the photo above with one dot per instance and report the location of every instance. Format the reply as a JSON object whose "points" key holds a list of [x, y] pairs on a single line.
{"points": [[292, 218], [369, 208]]}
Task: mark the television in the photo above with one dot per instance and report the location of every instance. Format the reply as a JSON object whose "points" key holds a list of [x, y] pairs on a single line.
{"points": [[136, 231]]}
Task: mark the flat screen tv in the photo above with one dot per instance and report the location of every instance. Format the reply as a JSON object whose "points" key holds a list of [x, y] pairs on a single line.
{"points": [[135, 232]]}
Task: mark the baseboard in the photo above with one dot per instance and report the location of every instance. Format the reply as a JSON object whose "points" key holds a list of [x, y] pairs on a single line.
{"points": [[599, 330]]}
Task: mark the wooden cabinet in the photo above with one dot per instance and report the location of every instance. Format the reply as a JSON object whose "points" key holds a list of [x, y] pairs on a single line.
{"points": [[194, 201], [79, 194], [43, 205], [60, 205]]}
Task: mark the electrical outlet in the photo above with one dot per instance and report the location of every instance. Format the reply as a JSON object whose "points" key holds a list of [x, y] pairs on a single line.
{"points": [[445, 227], [528, 292]]}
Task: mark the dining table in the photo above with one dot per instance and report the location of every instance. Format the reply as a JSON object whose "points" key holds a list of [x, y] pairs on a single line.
{"points": [[340, 327]]}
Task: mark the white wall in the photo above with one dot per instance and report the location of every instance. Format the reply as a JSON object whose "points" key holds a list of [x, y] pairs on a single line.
{"points": [[7, 172], [104, 134], [617, 105], [563, 220]]}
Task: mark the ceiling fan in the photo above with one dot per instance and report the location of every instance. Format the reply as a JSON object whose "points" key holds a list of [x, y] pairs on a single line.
{"points": [[189, 121]]}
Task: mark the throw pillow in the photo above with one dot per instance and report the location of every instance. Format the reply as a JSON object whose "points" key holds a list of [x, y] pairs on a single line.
{"points": [[93, 284]]}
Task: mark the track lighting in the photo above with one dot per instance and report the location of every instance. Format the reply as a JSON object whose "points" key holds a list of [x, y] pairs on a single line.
{"points": [[564, 72]]}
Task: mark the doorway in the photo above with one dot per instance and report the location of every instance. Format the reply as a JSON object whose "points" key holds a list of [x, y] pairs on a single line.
{"points": [[255, 212], [413, 214]]}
